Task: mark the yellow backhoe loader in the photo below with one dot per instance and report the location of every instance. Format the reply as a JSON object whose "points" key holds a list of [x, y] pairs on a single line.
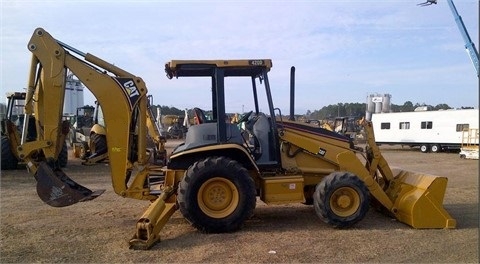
{"points": [[214, 177], [93, 148], [12, 130]]}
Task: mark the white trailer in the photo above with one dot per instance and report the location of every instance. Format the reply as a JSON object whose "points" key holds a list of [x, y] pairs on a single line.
{"points": [[430, 130]]}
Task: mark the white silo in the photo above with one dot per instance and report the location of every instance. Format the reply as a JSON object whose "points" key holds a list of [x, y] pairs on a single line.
{"points": [[73, 95], [386, 104], [377, 100], [370, 107], [370, 104]]}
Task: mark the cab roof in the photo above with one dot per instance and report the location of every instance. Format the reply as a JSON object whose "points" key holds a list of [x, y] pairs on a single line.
{"points": [[253, 67]]}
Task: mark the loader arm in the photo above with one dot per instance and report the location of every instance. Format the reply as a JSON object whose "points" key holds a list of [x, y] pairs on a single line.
{"points": [[121, 94], [412, 198]]}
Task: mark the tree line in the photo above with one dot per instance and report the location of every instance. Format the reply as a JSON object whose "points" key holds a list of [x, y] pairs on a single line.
{"points": [[335, 110], [358, 109]]}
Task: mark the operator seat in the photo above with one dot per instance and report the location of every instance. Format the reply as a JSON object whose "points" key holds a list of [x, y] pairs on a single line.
{"points": [[261, 130]]}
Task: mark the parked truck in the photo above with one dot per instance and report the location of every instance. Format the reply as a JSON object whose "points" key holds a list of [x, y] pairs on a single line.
{"points": [[431, 131]]}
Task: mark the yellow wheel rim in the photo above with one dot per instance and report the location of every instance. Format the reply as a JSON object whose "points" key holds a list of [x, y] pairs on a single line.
{"points": [[218, 197], [345, 201]]}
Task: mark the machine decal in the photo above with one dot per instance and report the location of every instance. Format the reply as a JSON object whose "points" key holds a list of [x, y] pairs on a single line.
{"points": [[116, 149], [257, 62], [322, 152], [130, 89]]}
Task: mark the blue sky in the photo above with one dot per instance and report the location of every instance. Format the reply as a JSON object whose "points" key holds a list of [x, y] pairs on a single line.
{"points": [[342, 50]]}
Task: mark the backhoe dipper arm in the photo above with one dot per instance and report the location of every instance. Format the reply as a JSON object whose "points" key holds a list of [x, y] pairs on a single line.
{"points": [[123, 100]]}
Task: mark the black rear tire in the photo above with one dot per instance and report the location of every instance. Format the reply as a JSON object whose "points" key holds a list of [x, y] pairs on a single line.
{"points": [[9, 161], [341, 199], [217, 195], [98, 144]]}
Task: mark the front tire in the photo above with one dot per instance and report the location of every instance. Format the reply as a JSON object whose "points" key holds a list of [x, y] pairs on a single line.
{"points": [[341, 199], [217, 195], [9, 161]]}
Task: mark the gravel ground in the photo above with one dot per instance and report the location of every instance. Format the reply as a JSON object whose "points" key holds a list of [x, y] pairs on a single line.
{"points": [[99, 230]]}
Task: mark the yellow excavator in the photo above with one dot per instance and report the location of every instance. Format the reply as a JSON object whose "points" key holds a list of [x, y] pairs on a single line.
{"points": [[214, 177]]}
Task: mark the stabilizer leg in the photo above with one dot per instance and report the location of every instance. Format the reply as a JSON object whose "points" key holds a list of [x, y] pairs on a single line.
{"points": [[152, 221]]}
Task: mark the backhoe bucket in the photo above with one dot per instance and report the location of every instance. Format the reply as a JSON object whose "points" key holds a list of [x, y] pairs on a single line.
{"points": [[418, 199], [56, 189]]}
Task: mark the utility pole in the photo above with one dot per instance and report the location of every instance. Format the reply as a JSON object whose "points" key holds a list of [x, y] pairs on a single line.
{"points": [[469, 45]]}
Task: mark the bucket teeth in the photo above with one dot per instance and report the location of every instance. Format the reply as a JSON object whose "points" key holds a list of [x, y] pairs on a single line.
{"points": [[56, 189]]}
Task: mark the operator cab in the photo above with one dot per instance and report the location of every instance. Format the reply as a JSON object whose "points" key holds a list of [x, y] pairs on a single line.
{"points": [[255, 132]]}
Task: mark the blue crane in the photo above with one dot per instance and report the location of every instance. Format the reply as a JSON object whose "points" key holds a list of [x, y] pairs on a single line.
{"points": [[469, 46]]}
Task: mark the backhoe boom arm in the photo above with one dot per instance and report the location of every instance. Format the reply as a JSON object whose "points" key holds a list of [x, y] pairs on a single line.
{"points": [[121, 95]]}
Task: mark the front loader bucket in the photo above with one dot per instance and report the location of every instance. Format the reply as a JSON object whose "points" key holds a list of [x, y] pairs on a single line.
{"points": [[56, 189], [418, 199]]}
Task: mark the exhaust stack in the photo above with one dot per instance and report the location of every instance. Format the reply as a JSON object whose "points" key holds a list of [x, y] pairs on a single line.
{"points": [[292, 94]]}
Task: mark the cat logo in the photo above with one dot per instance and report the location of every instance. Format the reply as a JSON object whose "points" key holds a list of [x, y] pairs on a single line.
{"points": [[130, 89], [322, 152]]}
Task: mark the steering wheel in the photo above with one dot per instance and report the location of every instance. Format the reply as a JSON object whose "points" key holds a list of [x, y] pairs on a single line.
{"points": [[244, 117]]}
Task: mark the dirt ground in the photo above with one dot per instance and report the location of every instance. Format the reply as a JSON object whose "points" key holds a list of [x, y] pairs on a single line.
{"points": [[99, 230]]}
